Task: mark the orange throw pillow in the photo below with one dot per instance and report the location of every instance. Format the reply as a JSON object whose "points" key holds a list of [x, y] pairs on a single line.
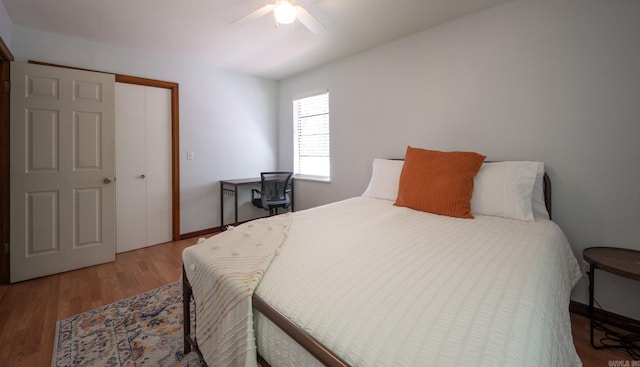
{"points": [[438, 182]]}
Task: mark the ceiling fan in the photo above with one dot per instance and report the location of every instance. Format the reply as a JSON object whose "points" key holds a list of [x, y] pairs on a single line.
{"points": [[284, 12]]}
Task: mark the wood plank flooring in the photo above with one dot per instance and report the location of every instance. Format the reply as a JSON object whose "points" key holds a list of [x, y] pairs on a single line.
{"points": [[29, 310]]}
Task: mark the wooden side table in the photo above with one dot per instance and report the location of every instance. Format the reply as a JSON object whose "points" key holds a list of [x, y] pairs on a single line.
{"points": [[619, 261]]}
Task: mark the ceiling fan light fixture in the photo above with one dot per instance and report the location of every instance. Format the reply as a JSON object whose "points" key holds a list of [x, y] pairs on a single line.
{"points": [[284, 12]]}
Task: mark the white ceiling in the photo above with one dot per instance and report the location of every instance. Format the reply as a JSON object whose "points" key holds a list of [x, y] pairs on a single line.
{"points": [[200, 31]]}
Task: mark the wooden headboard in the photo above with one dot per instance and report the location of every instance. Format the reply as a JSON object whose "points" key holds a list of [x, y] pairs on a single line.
{"points": [[546, 187]]}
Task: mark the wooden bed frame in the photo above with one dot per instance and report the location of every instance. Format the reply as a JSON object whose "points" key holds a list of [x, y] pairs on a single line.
{"points": [[315, 348], [320, 352]]}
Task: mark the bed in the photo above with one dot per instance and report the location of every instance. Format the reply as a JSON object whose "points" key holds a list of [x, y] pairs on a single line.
{"points": [[367, 282]]}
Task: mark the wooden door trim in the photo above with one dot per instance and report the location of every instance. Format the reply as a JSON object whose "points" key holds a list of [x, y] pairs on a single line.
{"points": [[175, 133], [5, 75]]}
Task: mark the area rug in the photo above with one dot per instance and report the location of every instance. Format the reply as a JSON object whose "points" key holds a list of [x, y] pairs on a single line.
{"points": [[144, 330]]}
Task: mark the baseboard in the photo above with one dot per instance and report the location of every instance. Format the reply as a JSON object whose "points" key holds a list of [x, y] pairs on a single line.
{"points": [[208, 231], [606, 317], [200, 233]]}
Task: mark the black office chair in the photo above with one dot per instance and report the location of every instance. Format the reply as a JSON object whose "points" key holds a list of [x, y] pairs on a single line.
{"points": [[274, 193]]}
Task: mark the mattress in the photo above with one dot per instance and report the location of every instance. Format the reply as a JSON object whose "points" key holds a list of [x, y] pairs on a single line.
{"points": [[381, 285]]}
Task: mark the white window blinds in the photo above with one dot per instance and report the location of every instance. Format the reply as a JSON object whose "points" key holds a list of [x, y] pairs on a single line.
{"points": [[311, 136]]}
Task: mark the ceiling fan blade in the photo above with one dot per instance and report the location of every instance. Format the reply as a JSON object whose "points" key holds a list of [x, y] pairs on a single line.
{"points": [[309, 20], [254, 14]]}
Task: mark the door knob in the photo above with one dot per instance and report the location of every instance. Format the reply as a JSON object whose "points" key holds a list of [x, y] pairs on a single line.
{"points": [[108, 180], [142, 176]]}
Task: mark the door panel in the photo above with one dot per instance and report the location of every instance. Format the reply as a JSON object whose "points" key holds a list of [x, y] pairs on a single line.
{"points": [[143, 157], [62, 148], [159, 214], [87, 143], [42, 140], [88, 213], [131, 197], [42, 223]]}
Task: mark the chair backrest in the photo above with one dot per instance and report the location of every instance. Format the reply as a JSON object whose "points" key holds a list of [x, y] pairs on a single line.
{"points": [[275, 188]]}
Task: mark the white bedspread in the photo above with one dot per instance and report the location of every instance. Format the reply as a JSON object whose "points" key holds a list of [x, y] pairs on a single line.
{"points": [[387, 286]]}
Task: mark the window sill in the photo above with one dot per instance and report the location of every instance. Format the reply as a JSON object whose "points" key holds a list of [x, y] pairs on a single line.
{"points": [[312, 178]]}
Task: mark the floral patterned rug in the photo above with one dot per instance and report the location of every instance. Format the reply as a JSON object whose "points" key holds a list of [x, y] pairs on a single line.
{"points": [[144, 330]]}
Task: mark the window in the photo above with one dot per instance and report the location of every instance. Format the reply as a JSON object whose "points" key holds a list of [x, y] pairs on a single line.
{"points": [[311, 137]]}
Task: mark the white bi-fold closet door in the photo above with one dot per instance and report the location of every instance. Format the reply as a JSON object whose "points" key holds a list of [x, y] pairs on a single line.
{"points": [[143, 166]]}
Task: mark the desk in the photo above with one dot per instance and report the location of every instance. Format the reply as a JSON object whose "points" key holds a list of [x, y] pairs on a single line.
{"points": [[230, 187], [619, 261]]}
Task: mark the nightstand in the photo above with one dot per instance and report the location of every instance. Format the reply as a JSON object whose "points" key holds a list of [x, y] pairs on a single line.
{"points": [[619, 261]]}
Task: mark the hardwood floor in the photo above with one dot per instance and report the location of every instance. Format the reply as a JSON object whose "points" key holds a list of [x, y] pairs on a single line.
{"points": [[29, 310], [590, 356]]}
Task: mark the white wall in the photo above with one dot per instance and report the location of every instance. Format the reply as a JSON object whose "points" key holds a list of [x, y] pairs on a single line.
{"points": [[6, 26], [555, 81], [227, 119]]}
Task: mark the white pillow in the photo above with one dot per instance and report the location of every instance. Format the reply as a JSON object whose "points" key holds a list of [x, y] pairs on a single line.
{"points": [[385, 178], [537, 197], [504, 189]]}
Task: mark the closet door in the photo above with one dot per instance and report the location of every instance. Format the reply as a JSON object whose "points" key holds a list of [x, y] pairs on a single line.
{"points": [[143, 166], [158, 176]]}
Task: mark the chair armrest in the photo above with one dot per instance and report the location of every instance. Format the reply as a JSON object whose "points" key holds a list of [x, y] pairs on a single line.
{"points": [[255, 193]]}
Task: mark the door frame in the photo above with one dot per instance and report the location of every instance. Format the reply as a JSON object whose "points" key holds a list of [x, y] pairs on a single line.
{"points": [[175, 142], [5, 75]]}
